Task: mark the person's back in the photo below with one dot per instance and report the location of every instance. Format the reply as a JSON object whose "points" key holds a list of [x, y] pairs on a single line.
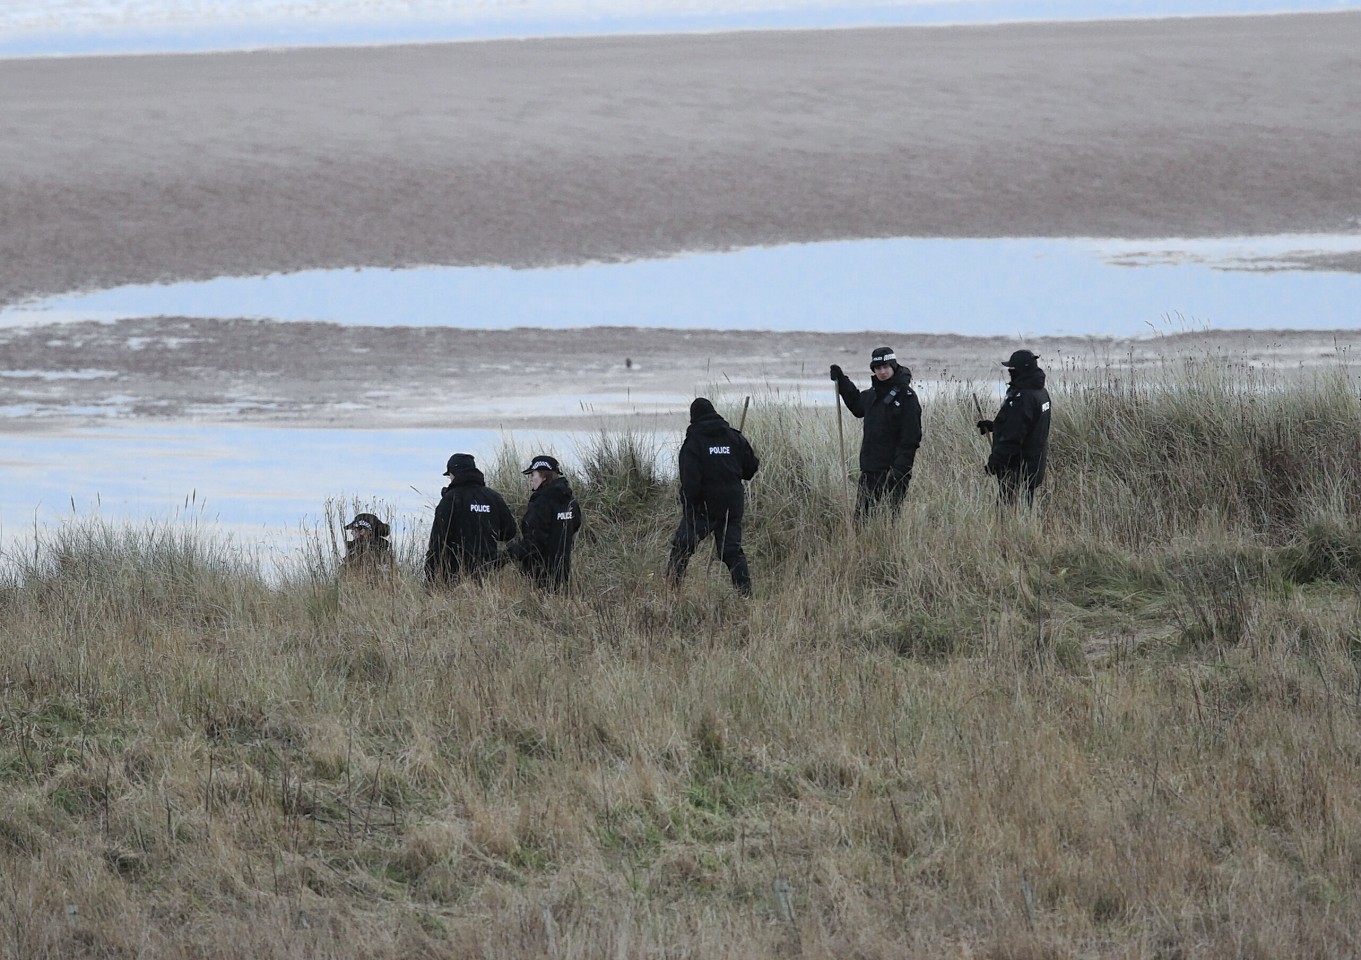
{"points": [[469, 521], [714, 459]]}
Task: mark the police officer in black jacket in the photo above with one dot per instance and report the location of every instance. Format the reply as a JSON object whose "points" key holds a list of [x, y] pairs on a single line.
{"points": [[549, 526], [469, 520], [1020, 431], [893, 429], [714, 460]]}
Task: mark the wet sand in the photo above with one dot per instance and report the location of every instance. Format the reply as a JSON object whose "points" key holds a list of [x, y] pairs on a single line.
{"points": [[322, 375], [138, 169]]}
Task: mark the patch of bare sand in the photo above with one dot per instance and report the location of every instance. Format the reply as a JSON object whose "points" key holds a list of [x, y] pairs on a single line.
{"points": [[138, 169], [312, 374]]}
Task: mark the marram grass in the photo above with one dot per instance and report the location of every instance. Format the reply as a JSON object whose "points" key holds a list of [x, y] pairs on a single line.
{"points": [[1123, 726]]}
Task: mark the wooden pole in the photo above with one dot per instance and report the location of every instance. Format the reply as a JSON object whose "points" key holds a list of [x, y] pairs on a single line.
{"points": [[841, 446], [742, 422]]}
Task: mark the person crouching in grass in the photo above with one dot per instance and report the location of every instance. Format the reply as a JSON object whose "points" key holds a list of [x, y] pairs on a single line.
{"points": [[368, 554]]}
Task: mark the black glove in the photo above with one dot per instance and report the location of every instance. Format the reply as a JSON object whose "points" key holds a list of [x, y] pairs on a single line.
{"points": [[985, 426], [837, 375]]}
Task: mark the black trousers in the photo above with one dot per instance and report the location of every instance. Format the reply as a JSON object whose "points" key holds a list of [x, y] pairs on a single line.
{"points": [[1011, 483], [727, 534], [875, 488]]}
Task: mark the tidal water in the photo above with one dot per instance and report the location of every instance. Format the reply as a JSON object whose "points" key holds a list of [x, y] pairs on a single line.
{"points": [[1009, 287], [265, 490]]}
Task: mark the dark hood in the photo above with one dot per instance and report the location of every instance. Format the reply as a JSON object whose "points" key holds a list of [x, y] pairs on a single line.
{"points": [[467, 476], [710, 426], [702, 409]]}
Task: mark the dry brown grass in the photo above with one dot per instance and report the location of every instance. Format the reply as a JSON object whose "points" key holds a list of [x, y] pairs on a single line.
{"points": [[1126, 727]]}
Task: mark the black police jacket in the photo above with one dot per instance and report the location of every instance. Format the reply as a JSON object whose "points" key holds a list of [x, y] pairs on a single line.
{"points": [[714, 460], [547, 531], [469, 520], [1020, 431], [893, 422]]}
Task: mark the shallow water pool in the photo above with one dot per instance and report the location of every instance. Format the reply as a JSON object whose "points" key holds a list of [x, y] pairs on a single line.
{"points": [[998, 287]]}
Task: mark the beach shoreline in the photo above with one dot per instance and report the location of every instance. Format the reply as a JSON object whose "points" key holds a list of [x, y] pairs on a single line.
{"points": [[174, 370]]}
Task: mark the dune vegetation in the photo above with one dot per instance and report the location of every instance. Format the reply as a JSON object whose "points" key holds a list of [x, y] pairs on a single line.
{"points": [[1124, 725]]}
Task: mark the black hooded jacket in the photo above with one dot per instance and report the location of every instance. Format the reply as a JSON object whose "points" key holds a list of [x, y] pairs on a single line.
{"points": [[547, 530], [714, 460], [893, 422], [1020, 431], [469, 520]]}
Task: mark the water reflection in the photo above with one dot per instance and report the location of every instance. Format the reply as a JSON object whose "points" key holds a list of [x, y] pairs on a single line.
{"points": [[1011, 287]]}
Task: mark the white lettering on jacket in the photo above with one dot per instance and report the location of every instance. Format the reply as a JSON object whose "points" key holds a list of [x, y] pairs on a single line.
{"points": [[565, 515], [480, 507], [714, 451], [1044, 406]]}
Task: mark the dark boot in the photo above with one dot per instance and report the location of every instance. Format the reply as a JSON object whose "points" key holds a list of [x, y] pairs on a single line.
{"points": [[741, 578], [675, 567]]}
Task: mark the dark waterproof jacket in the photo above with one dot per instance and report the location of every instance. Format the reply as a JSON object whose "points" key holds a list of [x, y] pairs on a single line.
{"points": [[547, 530], [369, 560], [714, 460], [469, 520], [1020, 431], [893, 422]]}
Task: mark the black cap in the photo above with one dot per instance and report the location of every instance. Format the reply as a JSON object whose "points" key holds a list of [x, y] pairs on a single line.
{"points": [[702, 409], [368, 521], [883, 355], [460, 463], [542, 461], [1021, 358]]}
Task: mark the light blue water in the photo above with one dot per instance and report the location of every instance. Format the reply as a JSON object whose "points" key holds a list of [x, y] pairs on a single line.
{"points": [[492, 21], [1021, 288], [264, 487]]}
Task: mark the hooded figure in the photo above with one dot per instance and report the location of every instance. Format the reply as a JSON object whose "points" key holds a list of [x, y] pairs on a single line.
{"points": [[469, 520], [549, 526], [893, 429], [368, 554], [714, 460], [1020, 431]]}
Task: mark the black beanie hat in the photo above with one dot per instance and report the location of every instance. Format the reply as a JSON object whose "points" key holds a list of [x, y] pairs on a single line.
{"points": [[702, 409], [883, 355], [460, 463]]}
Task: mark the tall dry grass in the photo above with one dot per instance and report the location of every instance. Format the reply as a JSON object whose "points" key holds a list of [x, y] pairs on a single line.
{"points": [[1123, 726]]}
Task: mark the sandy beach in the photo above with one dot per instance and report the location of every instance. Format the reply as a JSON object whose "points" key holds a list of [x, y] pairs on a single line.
{"points": [[155, 168], [141, 169]]}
